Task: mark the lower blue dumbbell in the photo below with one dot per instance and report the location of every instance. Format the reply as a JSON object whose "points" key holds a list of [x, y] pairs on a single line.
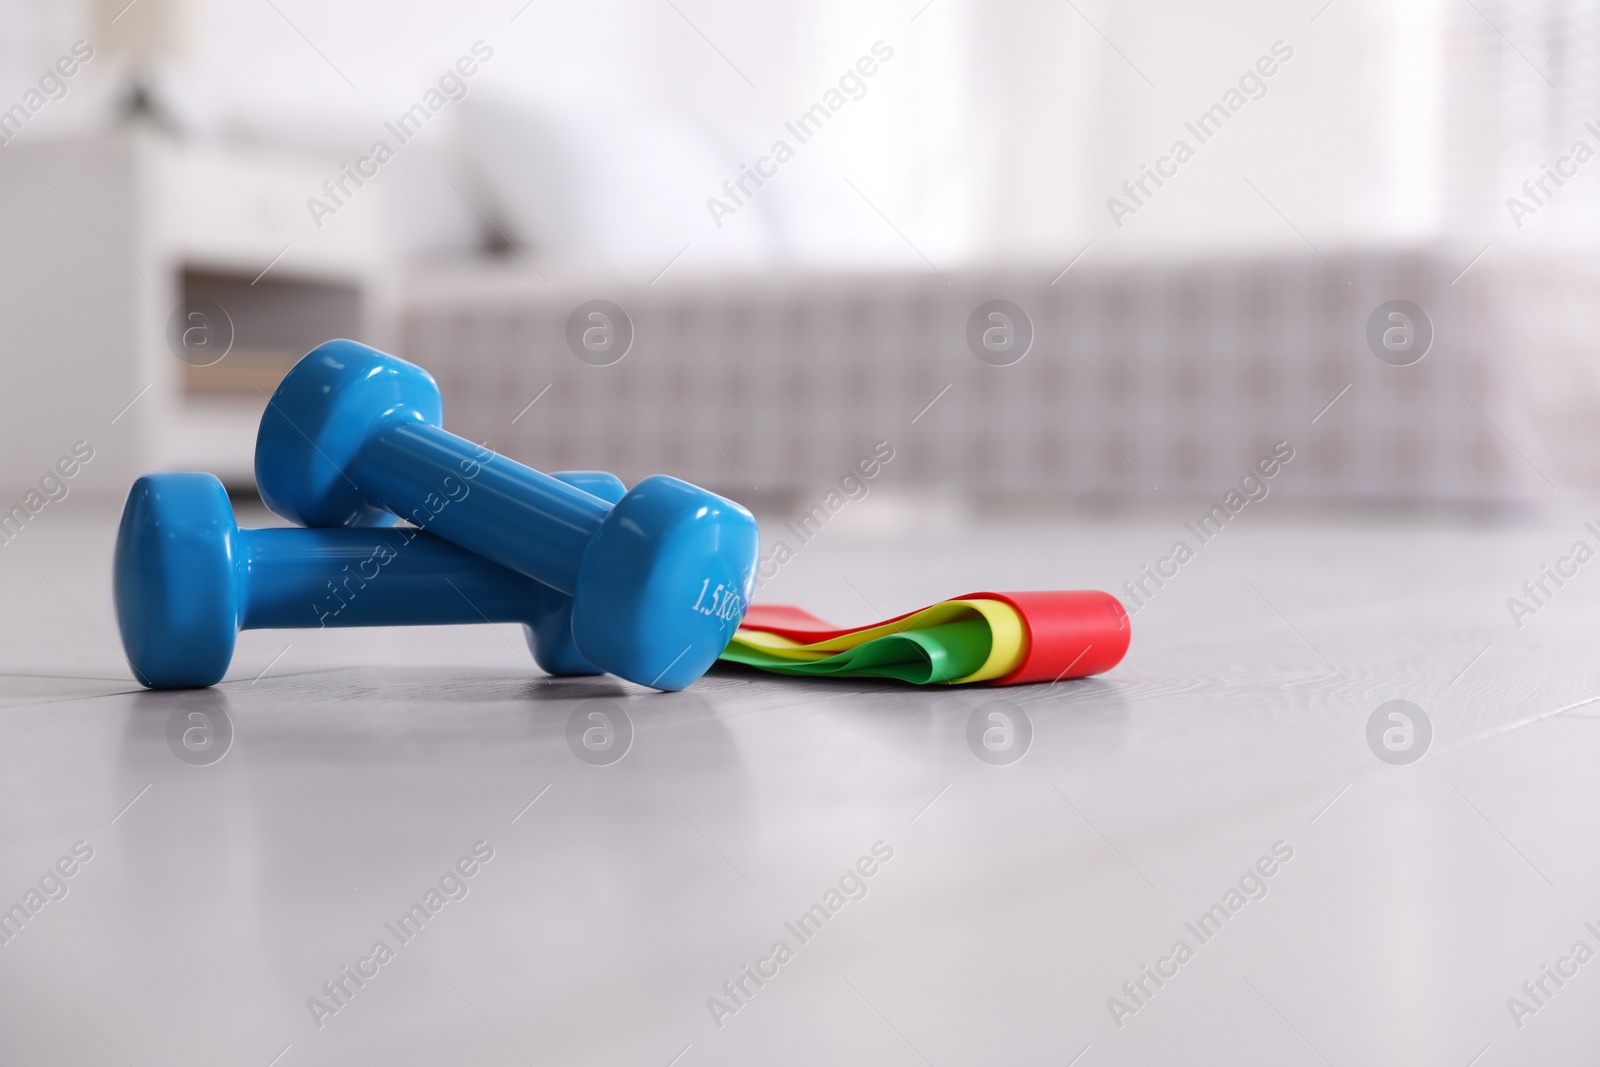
{"points": [[187, 580]]}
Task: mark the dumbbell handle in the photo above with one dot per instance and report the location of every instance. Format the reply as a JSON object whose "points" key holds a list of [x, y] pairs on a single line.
{"points": [[390, 576], [498, 508]]}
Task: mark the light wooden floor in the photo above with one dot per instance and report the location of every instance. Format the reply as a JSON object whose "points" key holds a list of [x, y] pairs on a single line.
{"points": [[1018, 898]]}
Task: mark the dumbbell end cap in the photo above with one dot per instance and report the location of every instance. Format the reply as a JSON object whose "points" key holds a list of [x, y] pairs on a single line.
{"points": [[174, 580], [664, 583], [323, 413]]}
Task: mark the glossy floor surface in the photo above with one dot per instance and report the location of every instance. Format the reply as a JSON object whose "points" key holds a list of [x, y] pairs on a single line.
{"points": [[763, 871]]}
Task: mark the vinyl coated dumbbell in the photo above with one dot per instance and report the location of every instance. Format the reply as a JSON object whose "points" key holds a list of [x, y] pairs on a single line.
{"points": [[187, 580], [352, 432], [550, 622]]}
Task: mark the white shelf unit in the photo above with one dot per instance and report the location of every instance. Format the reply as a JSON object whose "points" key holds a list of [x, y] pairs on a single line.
{"points": [[105, 238]]}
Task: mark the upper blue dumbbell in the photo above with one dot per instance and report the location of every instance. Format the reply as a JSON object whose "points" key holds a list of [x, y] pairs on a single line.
{"points": [[352, 431], [550, 624], [187, 579]]}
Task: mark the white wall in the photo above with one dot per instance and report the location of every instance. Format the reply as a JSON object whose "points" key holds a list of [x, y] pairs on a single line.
{"points": [[998, 131]]}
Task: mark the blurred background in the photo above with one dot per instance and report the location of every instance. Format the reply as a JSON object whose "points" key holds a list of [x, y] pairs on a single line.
{"points": [[1091, 269], [794, 215]]}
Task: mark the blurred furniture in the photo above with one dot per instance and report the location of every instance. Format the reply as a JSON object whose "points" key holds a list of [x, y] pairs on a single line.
{"points": [[1144, 380], [145, 43], [107, 239]]}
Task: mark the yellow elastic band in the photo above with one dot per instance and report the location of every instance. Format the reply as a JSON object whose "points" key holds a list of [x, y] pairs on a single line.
{"points": [[1008, 640]]}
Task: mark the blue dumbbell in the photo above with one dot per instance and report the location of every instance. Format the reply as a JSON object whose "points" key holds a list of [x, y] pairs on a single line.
{"points": [[187, 580], [550, 623], [659, 580]]}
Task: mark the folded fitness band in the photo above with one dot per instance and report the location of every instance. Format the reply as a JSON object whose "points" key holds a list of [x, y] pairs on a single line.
{"points": [[988, 638]]}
